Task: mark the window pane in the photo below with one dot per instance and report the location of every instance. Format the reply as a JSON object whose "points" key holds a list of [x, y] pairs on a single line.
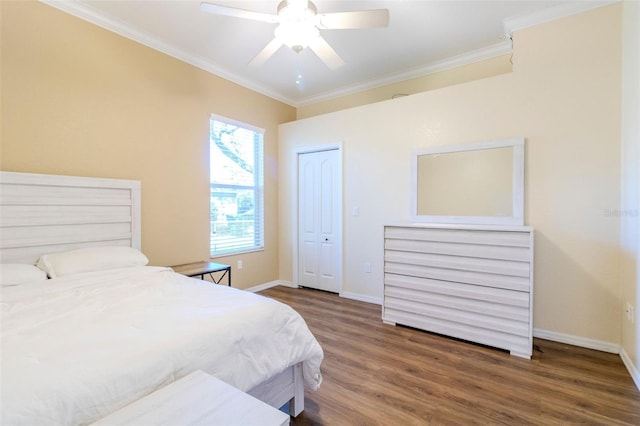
{"points": [[232, 154], [232, 219], [236, 197]]}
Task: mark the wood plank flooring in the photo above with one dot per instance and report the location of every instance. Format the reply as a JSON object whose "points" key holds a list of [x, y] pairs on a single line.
{"points": [[378, 374]]}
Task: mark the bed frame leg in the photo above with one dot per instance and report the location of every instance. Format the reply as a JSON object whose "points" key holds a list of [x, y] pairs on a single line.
{"points": [[296, 405]]}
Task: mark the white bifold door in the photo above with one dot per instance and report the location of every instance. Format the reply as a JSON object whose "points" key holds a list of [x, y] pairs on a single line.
{"points": [[320, 220]]}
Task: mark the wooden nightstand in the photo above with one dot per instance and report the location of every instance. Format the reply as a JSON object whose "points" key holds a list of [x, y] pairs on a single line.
{"points": [[197, 399], [200, 269]]}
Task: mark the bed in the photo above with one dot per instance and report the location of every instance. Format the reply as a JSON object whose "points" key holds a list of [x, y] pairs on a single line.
{"points": [[105, 329]]}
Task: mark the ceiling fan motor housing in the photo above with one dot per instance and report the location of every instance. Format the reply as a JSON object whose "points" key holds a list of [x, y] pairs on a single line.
{"points": [[297, 9], [297, 27]]}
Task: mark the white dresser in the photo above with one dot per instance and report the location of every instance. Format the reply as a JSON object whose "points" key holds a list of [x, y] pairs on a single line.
{"points": [[472, 282]]}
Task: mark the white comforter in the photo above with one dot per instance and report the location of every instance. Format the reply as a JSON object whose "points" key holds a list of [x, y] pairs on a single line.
{"points": [[77, 348]]}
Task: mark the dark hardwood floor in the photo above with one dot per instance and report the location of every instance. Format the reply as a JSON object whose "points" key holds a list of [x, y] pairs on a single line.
{"points": [[378, 374]]}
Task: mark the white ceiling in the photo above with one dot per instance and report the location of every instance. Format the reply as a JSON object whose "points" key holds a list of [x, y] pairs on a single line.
{"points": [[423, 36]]}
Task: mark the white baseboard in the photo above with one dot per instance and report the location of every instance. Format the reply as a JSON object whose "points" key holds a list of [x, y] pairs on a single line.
{"points": [[598, 345], [569, 339], [264, 286], [631, 368], [361, 297]]}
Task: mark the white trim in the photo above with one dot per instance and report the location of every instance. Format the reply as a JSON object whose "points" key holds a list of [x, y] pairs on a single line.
{"points": [[584, 342], [597, 345], [499, 49], [633, 371], [231, 244], [89, 14], [517, 194], [318, 148], [237, 123], [551, 14], [361, 297], [264, 286], [289, 284]]}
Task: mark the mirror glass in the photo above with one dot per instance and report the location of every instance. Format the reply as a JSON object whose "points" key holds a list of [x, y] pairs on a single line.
{"points": [[478, 183]]}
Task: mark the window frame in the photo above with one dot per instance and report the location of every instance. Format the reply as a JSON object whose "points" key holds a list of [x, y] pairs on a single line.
{"points": [[257, 188]]}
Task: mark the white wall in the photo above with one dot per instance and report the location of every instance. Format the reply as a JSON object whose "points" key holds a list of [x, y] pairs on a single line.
{"points": [[564, 97]]}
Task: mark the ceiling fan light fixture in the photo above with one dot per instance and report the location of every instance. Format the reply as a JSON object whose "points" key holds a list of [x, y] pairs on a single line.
{"points": [[296, 35], [299, 27]]}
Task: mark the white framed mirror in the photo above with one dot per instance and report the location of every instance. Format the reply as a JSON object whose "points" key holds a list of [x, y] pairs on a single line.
{"points": [[476, 183]]}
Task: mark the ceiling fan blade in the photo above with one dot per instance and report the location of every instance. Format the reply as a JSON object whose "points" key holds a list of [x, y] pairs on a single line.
{"points": [[238, 13], [378, 18], [326, 53], [266, 53]]}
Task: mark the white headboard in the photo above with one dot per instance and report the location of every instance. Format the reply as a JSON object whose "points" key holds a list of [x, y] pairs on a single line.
{"points": [[49, 213]]}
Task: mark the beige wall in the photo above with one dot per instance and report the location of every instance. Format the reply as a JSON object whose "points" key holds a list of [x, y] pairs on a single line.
{"points": [[564, 97], [80, 100], [470, 72], [630, 206]]}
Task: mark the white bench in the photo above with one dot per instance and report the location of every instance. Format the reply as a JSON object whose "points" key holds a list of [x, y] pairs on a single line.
{"points": [[197, 399]]}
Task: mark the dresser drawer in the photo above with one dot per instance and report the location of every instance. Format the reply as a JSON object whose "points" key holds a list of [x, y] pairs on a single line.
{"points": [[454, 275], [465, 236], [424, 287], [517, 344], [482, 251]]}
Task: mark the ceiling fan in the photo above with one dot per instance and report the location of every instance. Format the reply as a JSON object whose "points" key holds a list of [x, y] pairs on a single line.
{"points": [[299, 25]]}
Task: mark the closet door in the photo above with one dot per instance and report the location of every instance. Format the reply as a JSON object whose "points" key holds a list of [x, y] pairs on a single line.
{"points": [[319, 221]]}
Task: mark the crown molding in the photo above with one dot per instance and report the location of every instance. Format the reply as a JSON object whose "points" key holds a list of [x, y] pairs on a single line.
{"points": [[498, 49], [547, 15], [87, 13]]}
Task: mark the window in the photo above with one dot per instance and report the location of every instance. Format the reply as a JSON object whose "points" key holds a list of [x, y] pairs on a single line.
{"points": [[236, 186]]}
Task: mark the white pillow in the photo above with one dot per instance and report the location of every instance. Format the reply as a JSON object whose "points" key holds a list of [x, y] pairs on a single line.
{"points": [[90, 259], [20, 273]]}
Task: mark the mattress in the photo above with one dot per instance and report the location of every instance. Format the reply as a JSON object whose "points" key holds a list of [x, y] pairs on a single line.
{"points": [[77, 348]]}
